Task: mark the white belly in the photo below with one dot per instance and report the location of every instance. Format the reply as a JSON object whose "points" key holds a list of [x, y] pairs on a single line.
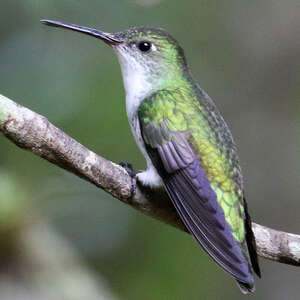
{"points": [[137, 87], [150, 176]]}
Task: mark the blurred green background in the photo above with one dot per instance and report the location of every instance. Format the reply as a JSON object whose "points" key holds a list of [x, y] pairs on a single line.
{"points": [[62, 238]]}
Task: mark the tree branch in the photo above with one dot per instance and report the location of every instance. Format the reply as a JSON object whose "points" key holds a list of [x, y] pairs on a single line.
{"points": [[35, 133]]}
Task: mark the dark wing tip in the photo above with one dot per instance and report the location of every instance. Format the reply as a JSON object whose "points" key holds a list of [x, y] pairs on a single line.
{"points": [[200, 221], [246, 288], [250, 238]]}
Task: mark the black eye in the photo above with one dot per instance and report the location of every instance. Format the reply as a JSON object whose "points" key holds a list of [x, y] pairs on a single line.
{"points": [[144, 46]]}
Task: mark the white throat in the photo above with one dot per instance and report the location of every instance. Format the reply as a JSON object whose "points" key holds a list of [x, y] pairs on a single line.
{"points": [[137, 87], [136, 82]]}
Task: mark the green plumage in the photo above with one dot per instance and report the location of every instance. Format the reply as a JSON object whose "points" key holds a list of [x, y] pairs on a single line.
{"points": [[184, 110], [187, 145]]}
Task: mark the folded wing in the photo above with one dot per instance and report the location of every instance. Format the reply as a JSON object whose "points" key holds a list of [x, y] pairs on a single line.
{"points": [[194, 199]]}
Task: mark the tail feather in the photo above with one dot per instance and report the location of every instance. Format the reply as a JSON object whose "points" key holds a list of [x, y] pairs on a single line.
{"points": [[250, 238], [246, 288]]}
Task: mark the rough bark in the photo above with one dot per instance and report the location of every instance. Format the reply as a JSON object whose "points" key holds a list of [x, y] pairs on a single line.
{"points": [[35, 133]]}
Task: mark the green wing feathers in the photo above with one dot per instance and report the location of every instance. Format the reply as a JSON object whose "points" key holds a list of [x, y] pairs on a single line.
{"points": [[211, 140]]}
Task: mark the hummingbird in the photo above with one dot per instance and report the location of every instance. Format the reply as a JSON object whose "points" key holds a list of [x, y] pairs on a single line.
{"points": [[188, 147]]}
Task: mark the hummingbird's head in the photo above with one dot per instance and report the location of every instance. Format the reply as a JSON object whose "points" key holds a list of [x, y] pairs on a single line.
{"points": [[150, 57]]}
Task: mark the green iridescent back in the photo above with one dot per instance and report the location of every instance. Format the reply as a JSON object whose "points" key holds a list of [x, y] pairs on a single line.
{"points": [[188, 109]]}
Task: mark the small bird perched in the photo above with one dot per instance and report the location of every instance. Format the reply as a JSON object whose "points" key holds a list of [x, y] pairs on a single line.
{"points": [[188, 147]]}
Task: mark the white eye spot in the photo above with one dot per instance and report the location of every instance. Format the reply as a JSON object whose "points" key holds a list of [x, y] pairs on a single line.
{"points": [[154, 48]]}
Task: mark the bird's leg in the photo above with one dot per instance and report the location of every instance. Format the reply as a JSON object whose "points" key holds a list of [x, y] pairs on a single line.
{"points": [[152, 189], [129, 169]]}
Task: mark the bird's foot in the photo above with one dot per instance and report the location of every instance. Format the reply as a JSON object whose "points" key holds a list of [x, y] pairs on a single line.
{"points": [[129, 169]]}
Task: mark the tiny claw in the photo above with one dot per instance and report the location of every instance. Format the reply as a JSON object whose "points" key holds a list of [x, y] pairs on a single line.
{"points": [[128, 167]]}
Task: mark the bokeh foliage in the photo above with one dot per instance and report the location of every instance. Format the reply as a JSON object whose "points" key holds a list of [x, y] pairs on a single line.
{"points": [[244, 54]]}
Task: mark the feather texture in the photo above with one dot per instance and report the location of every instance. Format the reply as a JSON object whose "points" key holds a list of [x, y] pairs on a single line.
{"points": [[205, 186]]}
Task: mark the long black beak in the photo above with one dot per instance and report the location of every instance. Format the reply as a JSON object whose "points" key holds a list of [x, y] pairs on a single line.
{"points": [[108, 38]]}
